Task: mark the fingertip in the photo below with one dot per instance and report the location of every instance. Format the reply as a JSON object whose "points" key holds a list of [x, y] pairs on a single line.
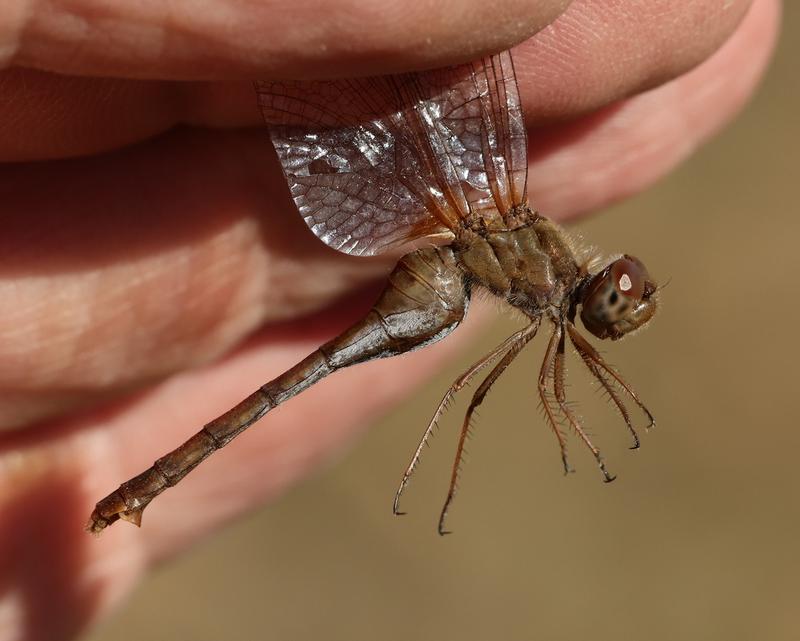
{"points": [[651, 133], [600, 52]]}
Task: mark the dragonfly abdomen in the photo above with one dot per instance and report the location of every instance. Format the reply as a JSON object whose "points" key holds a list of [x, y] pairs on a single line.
{"points": [[425, 299]]}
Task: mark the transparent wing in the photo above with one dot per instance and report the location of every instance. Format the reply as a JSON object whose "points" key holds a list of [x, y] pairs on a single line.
{"points": [[377, 162]]}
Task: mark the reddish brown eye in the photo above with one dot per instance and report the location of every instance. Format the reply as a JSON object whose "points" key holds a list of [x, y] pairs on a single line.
{"points": [[628, 276]]}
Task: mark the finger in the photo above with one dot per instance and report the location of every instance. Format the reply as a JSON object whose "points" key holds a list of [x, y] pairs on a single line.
{"points": [[273, 39], [206, 223], [591, 56], [590, 162]]}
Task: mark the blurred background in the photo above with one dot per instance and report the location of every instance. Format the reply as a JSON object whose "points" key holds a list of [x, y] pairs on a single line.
{"points": [[696, 539]]}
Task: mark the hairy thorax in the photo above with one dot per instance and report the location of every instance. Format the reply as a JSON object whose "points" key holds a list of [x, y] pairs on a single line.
{"points": [[531, 266]]}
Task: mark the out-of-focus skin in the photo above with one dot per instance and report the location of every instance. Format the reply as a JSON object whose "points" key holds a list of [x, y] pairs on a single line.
{"points": [[133, 248]]}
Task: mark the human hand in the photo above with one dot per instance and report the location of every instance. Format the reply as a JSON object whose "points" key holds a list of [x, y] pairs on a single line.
{"points": [[138, 250]]}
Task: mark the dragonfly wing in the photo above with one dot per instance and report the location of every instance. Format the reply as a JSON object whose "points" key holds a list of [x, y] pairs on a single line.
{"points": [[378, 162], [488, 141]]}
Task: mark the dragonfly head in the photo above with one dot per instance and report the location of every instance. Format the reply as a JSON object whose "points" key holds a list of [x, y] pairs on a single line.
{"points": [[619, 299]]}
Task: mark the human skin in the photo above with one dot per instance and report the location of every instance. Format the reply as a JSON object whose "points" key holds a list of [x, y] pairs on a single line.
{"points": [[152, 275]]}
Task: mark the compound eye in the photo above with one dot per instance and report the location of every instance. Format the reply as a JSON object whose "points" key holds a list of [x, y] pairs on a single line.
{"points": [[619, 299], [629, 277]]}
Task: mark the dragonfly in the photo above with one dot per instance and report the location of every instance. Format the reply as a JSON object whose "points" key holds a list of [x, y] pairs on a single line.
{"points": [[433, 166]]}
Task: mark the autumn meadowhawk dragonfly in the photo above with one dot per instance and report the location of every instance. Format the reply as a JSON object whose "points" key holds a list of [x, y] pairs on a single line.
{"points": [[436, 163]]}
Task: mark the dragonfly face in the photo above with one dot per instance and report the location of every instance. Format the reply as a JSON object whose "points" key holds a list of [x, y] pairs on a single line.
{"points": [[436, 160]]}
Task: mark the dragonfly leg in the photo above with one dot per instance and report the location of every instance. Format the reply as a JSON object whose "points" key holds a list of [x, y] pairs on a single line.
{"points": [[457, 386], [597, 366], [425, 299], [612, 393], [550, 413], [477, 398], [560, 395]]}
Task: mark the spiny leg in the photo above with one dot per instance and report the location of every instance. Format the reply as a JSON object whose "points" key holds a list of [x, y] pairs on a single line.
{"points": [[477, 399], [560, 394], [589, 353], [613, 395], [548, 365], [457, 386]]}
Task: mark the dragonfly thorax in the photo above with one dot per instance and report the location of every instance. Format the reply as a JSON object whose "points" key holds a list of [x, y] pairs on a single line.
{"points": [[532, 266]]}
